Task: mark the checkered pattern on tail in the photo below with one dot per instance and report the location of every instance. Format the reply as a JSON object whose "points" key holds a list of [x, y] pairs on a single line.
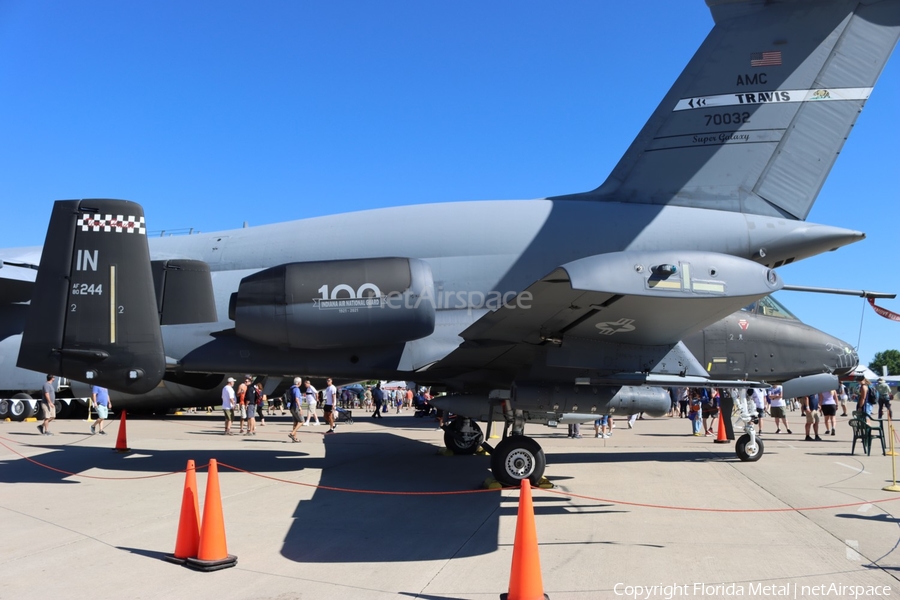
{"points": [[108, 223]]}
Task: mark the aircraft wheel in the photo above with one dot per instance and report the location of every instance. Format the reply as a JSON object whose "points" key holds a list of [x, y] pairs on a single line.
{"points": [[463, 436], [517, 458], [62, 409], [19, 407], [31, 408], [747, 453], [4, 408]]}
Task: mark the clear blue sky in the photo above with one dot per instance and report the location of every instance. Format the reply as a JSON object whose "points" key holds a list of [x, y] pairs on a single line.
{"points": [[215, 113]]}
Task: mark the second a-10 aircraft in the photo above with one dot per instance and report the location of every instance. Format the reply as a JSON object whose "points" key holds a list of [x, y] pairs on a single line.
{"points": [[535, 307]]}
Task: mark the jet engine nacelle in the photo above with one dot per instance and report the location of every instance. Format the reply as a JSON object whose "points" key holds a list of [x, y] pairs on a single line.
{"points": [[334, 304], [598, 400]]}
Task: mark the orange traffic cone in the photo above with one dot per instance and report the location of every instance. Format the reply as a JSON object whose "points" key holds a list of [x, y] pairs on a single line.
{"points": [[722, 437], [121, 444], [188, 539], [525, 581], [212, 554]]}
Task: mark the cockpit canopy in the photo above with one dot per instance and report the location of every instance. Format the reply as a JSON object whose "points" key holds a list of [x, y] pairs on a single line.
{"points": [[770, 307]]}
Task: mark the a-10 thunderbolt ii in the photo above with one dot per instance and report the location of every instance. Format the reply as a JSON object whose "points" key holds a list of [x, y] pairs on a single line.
{"points": [[540, 305]]}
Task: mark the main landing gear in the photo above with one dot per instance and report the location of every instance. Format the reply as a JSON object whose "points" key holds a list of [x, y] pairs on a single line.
{"points": [[463, 436], [515, 458]]}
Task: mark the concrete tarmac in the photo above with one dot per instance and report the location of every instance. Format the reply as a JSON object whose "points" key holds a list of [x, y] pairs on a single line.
{"points": [[374, 512]]}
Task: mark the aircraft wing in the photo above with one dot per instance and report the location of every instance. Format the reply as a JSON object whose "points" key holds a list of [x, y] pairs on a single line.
{"points": [[614, 314], [17, 279]]}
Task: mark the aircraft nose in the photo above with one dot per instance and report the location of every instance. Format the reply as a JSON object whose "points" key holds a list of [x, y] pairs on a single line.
{"points": [[845, 358]]}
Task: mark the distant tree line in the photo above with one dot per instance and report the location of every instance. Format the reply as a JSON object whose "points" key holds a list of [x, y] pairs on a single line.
{"points": [[889, 359]]}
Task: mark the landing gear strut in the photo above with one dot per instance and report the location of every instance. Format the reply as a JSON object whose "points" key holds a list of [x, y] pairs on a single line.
{"points": [[517, 456], [749, 448]]}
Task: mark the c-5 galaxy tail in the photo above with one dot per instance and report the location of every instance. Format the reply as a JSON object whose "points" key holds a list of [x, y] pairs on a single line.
{"points": [[93, 314], [756, 120]]}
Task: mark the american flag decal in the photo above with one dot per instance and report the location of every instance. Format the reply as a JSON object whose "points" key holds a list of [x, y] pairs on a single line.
{"points": [[765, 59]]}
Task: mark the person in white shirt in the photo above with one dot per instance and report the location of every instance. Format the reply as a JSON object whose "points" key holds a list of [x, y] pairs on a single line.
{"points": [[843, 396], [758, 395], [776, 406], [828, 406], [312, 397], [228, 404], [328, 406]]}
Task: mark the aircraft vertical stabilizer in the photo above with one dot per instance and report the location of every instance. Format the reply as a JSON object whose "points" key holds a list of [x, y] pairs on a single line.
{"points": [[756, 120], [93, 314]]}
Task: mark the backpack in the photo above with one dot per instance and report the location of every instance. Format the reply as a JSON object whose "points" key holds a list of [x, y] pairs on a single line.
{"points": [[873, 396], [288, 398]]}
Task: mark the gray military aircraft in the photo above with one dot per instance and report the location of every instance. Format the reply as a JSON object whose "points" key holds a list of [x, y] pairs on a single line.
{"points": [[763, 339], [582, 300]]}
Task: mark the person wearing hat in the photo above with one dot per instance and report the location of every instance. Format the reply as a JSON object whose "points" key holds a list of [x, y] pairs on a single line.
{"points": [[228, 404], [884, 397]]}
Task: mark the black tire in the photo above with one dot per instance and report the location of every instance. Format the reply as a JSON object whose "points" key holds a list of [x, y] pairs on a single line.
{"points": [[746, 455], [460, 442], [4, 408], [20, 408], [62, 409], [32, 409], [517, 458]]}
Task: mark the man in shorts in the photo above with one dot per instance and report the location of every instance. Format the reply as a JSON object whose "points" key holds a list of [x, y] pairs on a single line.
{"points": [[250, 400], [811, 408], [240, 407], [228, 404], [100, 400], [776, 408], [328, 405], [884, 397], [601, 427], [48, 404], [312, 396]]}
